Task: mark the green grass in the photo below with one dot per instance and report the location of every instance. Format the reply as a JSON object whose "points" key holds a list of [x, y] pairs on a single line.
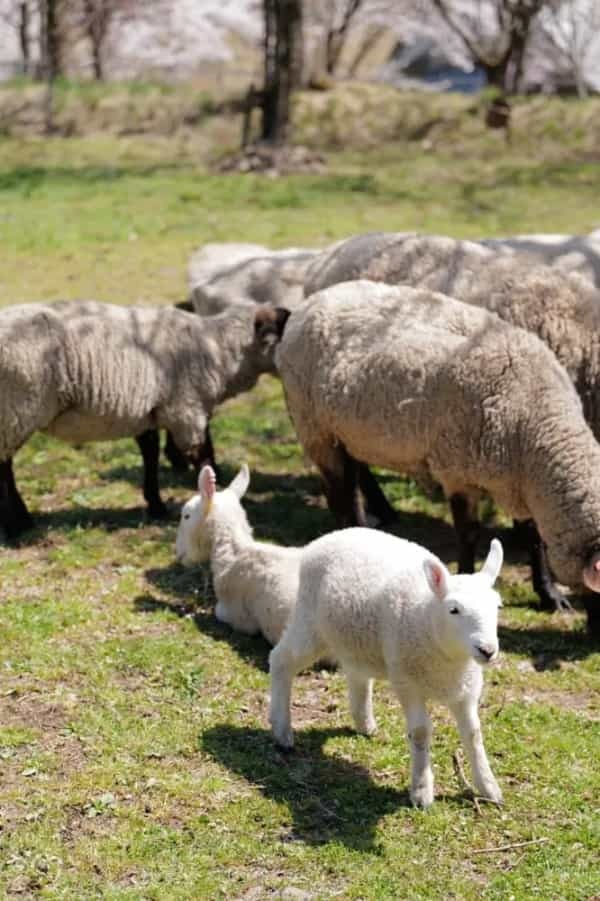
{"points": [[135, 760]]}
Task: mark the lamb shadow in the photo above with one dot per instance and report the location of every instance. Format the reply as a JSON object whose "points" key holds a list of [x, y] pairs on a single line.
{"points": [[548, 648], [330, 799], [254, 649]]}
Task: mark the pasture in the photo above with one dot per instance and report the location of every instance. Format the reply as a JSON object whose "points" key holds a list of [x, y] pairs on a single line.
{"points": [[135, 759]]}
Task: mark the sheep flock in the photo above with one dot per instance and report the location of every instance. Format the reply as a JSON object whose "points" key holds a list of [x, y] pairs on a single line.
{"points": [[472, 366]]}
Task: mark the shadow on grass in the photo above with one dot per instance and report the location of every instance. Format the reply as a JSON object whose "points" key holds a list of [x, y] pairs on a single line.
{"points": [[548, 647], [253, 649], [330, 799], [111, 519]]}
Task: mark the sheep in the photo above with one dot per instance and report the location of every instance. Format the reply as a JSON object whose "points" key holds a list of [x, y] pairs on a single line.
{"points": [[562, 308], [224, 274], [255, 583], [88, 371], [388, 608], [423, 384], [573, 253]]}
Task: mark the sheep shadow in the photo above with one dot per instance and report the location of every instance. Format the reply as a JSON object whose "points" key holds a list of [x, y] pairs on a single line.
{"points": [[111, 519], [548, 648], [330, 799]]}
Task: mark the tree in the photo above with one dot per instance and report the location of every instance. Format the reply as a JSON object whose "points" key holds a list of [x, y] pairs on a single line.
{"points": [[283, 58], [330, 24], [496, 35], [571, 32], [17, 14]]}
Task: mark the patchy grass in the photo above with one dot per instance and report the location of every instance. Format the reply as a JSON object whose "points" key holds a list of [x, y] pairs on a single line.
{"points": [[134, 756]]}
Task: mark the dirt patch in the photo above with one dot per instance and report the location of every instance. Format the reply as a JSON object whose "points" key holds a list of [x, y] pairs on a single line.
{"points": [[274, 160]]}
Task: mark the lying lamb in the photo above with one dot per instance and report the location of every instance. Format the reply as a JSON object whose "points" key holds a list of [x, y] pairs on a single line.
{"points": [[90, 371], [224, 274], [562, 308], [420, 383], [387, 608], [255, 583]]}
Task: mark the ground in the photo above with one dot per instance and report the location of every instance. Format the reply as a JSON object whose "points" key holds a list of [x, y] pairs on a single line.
{"points": [[135, 760]]}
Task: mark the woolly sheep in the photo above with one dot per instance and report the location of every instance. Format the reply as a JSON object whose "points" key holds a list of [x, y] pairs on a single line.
{"points": [[224, 274], [573, 253], [255, 583], [90, 371], [562, 308], [420, 383], [387, 608]]}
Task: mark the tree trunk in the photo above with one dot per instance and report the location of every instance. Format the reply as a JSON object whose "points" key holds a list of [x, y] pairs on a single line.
{"points": [[24, 35], [97, 60], [50, 56], [283, 52]]}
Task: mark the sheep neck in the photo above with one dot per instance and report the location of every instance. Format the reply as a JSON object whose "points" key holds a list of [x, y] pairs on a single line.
{"points": [[234, 364]]}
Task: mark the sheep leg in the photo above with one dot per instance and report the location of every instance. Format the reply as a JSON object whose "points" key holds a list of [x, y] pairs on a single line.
{"points": [[541, 577], [204, 455], [14, 515], [467, 720], [376, 503], [340, 474], [178, 461], [241, 623], [298, 649], [466, 525], [592, 608], [149, 445], [419, 731], [360, 694]]}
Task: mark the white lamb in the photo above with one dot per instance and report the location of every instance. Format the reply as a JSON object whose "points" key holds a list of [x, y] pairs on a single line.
{"points": [[255, 583], [387, 608]]}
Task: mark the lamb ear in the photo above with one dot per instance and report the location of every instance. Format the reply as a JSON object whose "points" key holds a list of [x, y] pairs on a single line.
{"points": [[269, 323], [493, 564], [239, 486], [437, 577], [207, 482]]}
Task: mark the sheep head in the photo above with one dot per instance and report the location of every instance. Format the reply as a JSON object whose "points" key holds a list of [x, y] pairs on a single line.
{"points": [[466, 607]]}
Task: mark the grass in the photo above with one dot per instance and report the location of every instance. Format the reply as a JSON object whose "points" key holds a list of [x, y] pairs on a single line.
{"points": [[135, 761]]}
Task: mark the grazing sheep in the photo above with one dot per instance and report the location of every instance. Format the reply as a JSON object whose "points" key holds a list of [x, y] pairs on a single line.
{"points": [[387, 608], [90, 372], [224, 274], [572, 253], [255, 583], [420, 383], [562, 308]]}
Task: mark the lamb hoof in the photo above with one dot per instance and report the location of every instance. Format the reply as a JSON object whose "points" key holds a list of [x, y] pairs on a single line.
{"points": [[284, 740], [369, 728], [491, 792], [421, 797]]}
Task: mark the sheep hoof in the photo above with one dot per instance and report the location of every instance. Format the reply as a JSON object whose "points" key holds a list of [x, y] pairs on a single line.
{"points": [[17, 525], [421, 797], [369, 728], [284, 740], [553, 600]]}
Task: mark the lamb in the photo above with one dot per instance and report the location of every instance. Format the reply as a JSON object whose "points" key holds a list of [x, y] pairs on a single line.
{"points": [[387, 608], [90, 371], [572, 253], [562, 308], [224, 274], [423, 384], [255, 583]]}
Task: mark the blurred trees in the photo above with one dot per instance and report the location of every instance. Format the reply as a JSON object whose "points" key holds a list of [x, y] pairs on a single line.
{"points": [[283, 61]]}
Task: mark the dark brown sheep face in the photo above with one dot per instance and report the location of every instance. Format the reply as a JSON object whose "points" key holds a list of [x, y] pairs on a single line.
{"points": [[591, 571], [269, 323]]}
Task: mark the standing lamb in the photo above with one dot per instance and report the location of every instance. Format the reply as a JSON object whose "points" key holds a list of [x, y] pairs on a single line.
{"points": [[220, 275], [420, 383], [387, 608], [90, 372], [562, 308], [255, 583]]}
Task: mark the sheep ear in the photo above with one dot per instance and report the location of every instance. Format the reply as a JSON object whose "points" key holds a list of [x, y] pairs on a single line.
{"points": [[437, 577], [207, 482], [493, 564], [239, 486], [269, 323]]}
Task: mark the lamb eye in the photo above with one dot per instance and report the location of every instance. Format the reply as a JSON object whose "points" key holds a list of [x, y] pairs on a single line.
{"points": [[454, 610], [186, 515]]}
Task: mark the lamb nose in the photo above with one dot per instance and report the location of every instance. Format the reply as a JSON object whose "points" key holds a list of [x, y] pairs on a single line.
{"points": [[486, 651]]}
